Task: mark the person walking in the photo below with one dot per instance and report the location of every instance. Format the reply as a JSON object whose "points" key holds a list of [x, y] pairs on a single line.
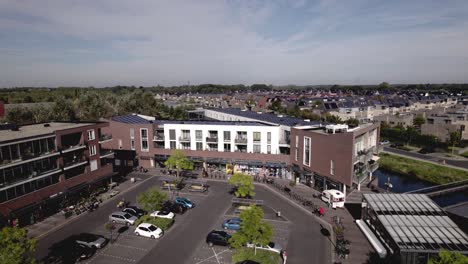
{"points": [[321, 211]]}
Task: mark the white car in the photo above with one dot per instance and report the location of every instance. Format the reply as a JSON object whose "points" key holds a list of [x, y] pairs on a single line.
{"points": [[148, 230], [270, 247], [163, 214]]}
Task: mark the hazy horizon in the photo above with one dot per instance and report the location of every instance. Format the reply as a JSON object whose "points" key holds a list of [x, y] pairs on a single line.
{"points": [[103, 43]]}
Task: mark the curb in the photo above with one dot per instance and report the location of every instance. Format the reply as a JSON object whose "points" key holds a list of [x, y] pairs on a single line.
{"points": [[75, 217]]}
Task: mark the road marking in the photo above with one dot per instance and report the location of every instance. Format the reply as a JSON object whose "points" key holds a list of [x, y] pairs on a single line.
{"points": [[215, 255], [117, 257], [125, 246]]}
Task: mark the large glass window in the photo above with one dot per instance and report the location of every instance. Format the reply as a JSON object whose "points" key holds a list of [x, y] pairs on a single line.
{"points": [[91, 135], [269, 137], [227, 147], [257, 148], [144, 139], [132, 133], [332, 167], [172, 134], [227, 135], [199, 145], [92, 150], [198, 135], [172, 145], [257, 136], [307, 151]]}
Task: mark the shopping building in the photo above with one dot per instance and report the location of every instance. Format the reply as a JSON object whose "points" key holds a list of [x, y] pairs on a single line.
{"points": [[42, 166], [335, 156], [409, 228]]}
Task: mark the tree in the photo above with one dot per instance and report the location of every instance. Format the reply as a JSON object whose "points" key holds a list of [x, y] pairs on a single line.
{"points": [[15, 246], [448, 257], [152, 199], [455, 138], [179, 161], [243, 184], [252, 229], [333, 119], [352, 122], [418, 120]]}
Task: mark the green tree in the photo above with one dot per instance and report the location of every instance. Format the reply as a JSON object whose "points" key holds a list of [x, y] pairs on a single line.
{"points": [[243, 184], [418, 120], [352, 122], [455, 138], [178, 161], [15, 246], [252, 229], [448, 257], [152, 199], [333, 119]]}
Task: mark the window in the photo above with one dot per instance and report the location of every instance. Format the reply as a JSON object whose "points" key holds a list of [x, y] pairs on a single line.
{"points": [[227, 135], [172, 134], [256, 136], [268, 137], [295, 154], [93, 165], [268, 149], [332, 167], [307, 151], [172, 145], [132, 144], [199, 145], [198, 135], [144, 139], [297, 141], [92, 150], [227, 147], [91, 135], [185, 145], [257, 148], [132, 133]]}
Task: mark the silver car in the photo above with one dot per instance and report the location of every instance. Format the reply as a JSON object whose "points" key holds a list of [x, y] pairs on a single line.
{"points": [[90, 240], [122, 218]]}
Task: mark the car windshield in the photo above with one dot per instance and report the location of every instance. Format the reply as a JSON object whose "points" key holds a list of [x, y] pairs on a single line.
{"points": [[271, 244], [152, 228], [87, 237], [164, 212], [127, 215]]}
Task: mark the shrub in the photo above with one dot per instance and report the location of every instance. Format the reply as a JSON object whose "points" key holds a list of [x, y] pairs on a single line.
{"points": [[162, 223], [262, 256]]}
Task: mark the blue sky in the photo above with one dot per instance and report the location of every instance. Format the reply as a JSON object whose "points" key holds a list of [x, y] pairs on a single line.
{"points": [[149, 42]]}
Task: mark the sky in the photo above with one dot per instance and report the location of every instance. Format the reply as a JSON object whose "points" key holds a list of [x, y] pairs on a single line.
{"points": [[150, 42]]}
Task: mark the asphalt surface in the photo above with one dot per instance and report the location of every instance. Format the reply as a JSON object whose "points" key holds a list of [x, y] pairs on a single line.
{"points": [[305, 242], [456, 163]]}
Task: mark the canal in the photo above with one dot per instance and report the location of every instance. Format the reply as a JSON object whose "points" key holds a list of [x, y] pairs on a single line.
{"points": [[402, 183]]}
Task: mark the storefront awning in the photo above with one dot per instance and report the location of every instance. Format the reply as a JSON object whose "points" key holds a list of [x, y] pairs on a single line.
{"points": [[372, 238], [275, 165], [248, 162]]}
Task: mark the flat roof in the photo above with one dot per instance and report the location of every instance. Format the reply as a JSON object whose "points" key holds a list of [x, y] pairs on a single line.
{"points": [[417, 223], [267, 117], [37, 130], [141, 119]]}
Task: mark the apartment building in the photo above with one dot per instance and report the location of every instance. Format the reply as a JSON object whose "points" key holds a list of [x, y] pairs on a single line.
{"points": [[335, 156], [43, 165], [403, 120], [442, 125], [249, 145]]}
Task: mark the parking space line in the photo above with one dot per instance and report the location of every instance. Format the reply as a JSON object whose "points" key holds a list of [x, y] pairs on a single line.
{"points": [[117, 257], [130, 247], [215, 255]]}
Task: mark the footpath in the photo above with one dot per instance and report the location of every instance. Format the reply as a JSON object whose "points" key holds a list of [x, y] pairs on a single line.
{"points": [[58, 220]]}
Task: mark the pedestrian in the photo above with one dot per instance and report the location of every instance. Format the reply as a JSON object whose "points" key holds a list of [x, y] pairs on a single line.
{"points": [[285, 256], [321, 211]]}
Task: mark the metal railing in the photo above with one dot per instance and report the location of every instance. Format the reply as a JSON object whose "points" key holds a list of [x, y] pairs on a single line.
{"points": [[105, 137], [184, 138], [212, 139], [241, 140]]}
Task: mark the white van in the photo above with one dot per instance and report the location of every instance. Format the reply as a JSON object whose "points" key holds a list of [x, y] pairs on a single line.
{"points": [[334, 197]]}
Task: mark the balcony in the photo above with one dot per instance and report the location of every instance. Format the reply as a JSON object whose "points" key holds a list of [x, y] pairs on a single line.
{"points": [[27, 157], [105, 138], [227, 139], [213, 139], [29, 177], [285, 141], [158, 137], [72, 148], [74, 163], [184, 138], [241, 140], [105, 153]]}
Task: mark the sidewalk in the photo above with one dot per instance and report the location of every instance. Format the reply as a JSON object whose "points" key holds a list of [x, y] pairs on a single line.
{"points": [[56, 221], [359, 245]]}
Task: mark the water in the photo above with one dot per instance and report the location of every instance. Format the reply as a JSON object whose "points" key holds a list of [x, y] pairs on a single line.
{"points": [[403, 183]]}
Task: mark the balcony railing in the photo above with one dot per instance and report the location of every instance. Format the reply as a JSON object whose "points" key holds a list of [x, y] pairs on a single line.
{"points": [[74, 163], [212, 139], [184, 138], [105, 138], [284, 141], [27, 157], [227, 139], [106, 153], [158, 137], [72, 148], [241, 140], [18, 179]]}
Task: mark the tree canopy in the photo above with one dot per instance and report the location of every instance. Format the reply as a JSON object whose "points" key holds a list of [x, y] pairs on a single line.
{"points": [[16, 247], [418, 120], [252, 229], [243, 185], [178, 161], [448, 257], [152, 199]]}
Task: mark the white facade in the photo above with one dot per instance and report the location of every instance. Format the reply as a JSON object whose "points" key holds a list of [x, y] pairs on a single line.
{"points": [[186, 137]]}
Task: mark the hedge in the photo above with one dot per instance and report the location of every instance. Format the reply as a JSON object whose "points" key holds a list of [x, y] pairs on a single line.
{"points": [[162, 223], [262, 256]]}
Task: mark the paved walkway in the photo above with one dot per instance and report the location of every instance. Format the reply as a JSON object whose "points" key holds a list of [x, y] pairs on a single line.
{"points": [[55, 221]]}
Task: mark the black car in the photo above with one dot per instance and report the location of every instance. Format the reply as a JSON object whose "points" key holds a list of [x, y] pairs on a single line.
{"points": [[69, 252], [219, 238], [134, 210], [174, 208]]}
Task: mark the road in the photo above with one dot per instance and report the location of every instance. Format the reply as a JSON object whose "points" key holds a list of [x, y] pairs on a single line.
{"points": [[456, 163], [306, 244]]}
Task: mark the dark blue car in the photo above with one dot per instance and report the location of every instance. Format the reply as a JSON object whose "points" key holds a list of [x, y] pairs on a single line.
{"points": [[232, 224], [185, 202]]}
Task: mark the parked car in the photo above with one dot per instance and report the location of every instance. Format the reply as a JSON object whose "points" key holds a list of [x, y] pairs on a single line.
{"points": [[91, 240], [149, 230], [122, 218], [173, 207], [68, 251], [184, 202], [270, 247], [163, 214], [82, 252], [396, 145], [384, 142], [172, 185], [134, 210], [219, 238], [232, 224]]}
